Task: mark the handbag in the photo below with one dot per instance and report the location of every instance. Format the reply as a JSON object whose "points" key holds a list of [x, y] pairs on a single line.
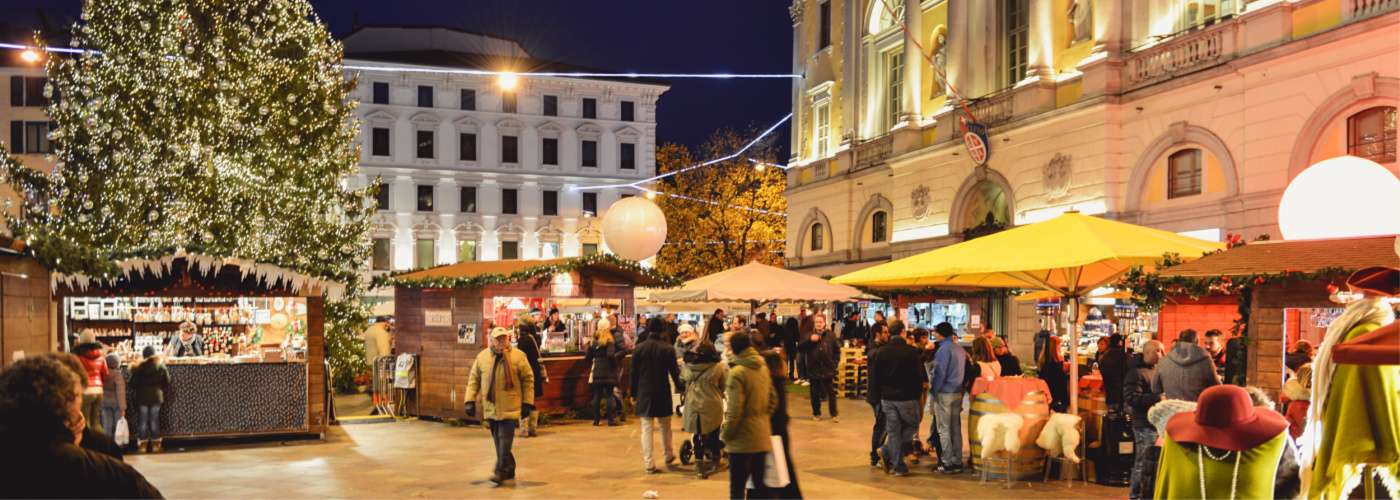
{"points": [[121, 434], [775, 472]]}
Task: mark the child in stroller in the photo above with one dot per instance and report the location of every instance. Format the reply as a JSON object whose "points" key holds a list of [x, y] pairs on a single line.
{"points": [[703, 411]]}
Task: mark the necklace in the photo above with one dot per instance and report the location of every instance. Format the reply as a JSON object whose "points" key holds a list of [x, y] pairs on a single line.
{"points": [[1201, 464]]}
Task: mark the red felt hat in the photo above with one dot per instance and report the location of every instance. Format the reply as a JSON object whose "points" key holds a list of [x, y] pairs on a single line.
{"points": [[1226, 418]]}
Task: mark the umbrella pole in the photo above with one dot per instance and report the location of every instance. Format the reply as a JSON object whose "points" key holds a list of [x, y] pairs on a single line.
{"points": [[1073, 302]]}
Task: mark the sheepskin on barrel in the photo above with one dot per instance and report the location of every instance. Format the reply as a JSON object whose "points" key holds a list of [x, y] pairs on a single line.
{"points": [[1060, 436], [999, 432]]}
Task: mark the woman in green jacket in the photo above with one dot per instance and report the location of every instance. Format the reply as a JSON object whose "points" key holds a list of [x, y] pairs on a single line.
{"points": [[747, 431], [149, 378], [704, 379]]}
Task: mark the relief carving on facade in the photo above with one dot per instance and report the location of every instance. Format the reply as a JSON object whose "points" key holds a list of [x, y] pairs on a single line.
{"points": [[1055, 176], [919, 202]]}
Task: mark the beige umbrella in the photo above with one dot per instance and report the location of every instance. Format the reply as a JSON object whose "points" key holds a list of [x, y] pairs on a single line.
{"points": [[756, 282]]}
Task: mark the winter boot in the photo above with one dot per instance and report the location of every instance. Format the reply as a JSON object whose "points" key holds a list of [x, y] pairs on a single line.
{"points": [[140, 446], [155, 446]]}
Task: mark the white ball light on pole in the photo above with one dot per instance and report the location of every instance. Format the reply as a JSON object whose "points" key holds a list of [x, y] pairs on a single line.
{"points": [[1343, 197], [634, 228]]}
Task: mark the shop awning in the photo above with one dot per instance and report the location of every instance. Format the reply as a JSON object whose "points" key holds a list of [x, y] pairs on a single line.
{"points": [[756, 281], [1308, 256]]}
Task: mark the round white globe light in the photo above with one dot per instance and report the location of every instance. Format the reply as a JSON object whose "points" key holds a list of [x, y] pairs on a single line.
{"points": [[1344, 197], [634, 228]]}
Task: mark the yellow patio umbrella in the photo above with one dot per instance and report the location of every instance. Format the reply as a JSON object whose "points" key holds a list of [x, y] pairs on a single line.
{"points": [[1070, 255]]}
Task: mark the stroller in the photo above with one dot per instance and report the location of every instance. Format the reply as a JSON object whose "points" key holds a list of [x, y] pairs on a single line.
{"points": [[695, 448]]}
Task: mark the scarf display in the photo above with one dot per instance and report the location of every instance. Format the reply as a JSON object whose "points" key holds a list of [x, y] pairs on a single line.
{"points": [[500, 359], [1368, 310]]}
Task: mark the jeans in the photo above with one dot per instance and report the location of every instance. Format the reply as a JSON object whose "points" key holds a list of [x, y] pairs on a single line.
{"points": [[92, 410], [901, 418], [949, 413], [1142, 438], [603, 393], [147, 422], [823, 388], [934, 441], [503, 433], [111, 413], [743, 466], [649, 425], [802, 365], [877, 433]]}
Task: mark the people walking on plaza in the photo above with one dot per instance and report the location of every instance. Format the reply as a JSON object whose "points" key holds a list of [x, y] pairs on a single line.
{"points": [[1052, 370], [984, 363], [762, 327], [880, 336], [376, 342], [823, 353], [1139, 398], [113, 395], [654, 374], [899, 377], [946, 384], [1214, 343], [149, 378], [622, 347], [89, 351], [714, 330], [1113, 365], [704, 378], [747, 430], [805, 326], [529, 344], [502, 378], [89, 439], [672, 329], [1010, 364], [779, 424], [603, 375], [1185, 371], [41, 424], [1300, 354], [686, 340]]}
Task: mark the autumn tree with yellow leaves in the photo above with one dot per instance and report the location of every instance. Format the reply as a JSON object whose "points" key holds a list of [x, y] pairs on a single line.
{"points": [[722, 215]]}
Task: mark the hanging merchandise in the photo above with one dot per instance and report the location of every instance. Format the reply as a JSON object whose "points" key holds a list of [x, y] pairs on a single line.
{"points": [[1227, 448]]}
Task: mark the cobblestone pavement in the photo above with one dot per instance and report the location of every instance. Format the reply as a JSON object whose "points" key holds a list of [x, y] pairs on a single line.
{"points": [[573, 459]]}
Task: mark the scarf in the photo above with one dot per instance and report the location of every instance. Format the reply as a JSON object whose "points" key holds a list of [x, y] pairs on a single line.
{"points": [[499, 359], [1368, 310]]}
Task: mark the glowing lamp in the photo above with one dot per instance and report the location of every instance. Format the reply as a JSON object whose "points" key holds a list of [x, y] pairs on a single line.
{"points": [[1342, 197], [651, 195], [634, 228], [29, 55], [507, 81]]}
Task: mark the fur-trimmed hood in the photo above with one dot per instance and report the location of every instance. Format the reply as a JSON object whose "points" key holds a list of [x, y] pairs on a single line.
{"points": [[1163, 411], [1295, 389]]}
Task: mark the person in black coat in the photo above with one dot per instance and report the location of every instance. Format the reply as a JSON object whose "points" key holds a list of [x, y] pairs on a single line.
{"points": [[655, 377], [779, 424], [1138, 397], [880, 336], [1113, 365], [40, 427], [1052, 371], [529, 343], [714, 330], [822, 354], [790, 335], [603, 377]]}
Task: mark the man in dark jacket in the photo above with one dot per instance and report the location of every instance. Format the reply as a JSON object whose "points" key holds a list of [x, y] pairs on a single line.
{"points": [[653, 363], [822, 355], [529, 344], [790, 338], [762, 329], [1113, 364], [899, 376], [40, 421], [1185, 371], [1214, 343], [1138, 396], [714, 330], [872, 395]]}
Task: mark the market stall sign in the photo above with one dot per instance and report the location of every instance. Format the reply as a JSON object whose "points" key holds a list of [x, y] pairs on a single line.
{"points": [[563, 286], [437, 317], [975, 138]]}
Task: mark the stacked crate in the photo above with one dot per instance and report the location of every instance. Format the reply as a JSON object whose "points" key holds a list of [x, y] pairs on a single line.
{"points": [[851, 373]]}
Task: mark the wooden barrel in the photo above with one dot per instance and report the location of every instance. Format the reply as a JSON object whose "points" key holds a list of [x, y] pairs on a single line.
{"points": [[1030, 459], [1092, 407]]}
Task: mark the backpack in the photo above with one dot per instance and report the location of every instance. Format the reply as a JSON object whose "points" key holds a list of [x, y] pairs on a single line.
{"points": [[406, 372]]}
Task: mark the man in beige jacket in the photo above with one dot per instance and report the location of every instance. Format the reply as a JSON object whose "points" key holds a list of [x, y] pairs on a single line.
{"points": [[507, 393]]}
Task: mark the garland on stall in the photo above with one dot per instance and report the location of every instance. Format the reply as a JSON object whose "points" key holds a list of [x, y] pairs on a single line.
{"points": [[540, 274], [988, 293]]}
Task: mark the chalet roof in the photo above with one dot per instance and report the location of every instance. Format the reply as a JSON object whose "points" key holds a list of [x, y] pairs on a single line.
{"points": [[507, 268], [1300, 255]]}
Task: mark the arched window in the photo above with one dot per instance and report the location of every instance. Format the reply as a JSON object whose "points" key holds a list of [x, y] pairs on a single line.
{"points": [[818, 237], [1371, 134], [1184, 173], [878, 228]]}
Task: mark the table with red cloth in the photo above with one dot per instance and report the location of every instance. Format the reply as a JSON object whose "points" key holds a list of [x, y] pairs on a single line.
{"points": [[1092, 381], [1011, 391]]}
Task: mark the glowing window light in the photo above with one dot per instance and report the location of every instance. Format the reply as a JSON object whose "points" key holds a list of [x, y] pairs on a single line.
{"points": [[1342, 197]]}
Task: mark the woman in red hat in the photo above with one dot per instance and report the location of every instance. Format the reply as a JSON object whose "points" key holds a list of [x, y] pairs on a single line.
{"points": [[1226, 449]]}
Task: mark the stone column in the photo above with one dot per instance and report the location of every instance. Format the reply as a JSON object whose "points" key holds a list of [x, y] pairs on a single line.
{"points": [[1112, 22], [912, 100], [798, 105], [1041, 45]]}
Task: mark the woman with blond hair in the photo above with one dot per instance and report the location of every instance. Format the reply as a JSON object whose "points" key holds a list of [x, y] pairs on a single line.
{"points": [[603, 378], [1052, 371]]}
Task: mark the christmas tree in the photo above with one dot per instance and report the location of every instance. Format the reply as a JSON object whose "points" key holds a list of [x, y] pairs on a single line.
{"points": [[221, 126]]}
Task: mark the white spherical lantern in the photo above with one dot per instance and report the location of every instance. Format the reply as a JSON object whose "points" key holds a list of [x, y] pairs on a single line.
{"points": [[1342, 197], [634, 228]]}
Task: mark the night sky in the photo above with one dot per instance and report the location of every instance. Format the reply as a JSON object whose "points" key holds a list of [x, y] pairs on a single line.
{"points": [[653, 36]]}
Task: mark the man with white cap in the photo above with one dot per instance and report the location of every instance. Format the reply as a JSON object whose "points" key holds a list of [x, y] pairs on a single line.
{"points": [[506, 384]]}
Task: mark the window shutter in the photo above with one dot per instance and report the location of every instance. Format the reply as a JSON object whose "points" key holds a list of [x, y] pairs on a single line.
{"points": [[17, 137], [16, 91]]}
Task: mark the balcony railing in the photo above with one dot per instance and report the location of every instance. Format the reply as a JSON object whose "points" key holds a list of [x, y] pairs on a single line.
{"points": [[1180, 55], [1357, 9], [873, 151], [993, 109]]}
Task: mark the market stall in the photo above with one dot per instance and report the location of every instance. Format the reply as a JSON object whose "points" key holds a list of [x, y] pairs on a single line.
{"points": [[258, 367], [24, 296], [443, 315]]}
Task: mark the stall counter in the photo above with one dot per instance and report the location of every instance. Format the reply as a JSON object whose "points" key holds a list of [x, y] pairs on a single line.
{"points": [[229, 399]]}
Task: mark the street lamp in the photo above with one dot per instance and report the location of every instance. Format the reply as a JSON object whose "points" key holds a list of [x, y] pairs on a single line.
{"points": [[507, 81], [29, 55]]}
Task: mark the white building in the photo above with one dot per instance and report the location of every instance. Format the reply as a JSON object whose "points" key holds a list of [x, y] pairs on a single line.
{"points": [[476, 171], [24, 125]]}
